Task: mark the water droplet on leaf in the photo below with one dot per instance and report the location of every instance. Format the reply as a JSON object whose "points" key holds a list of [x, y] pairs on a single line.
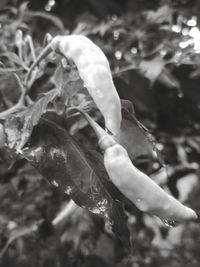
{"points": [[169, 223]]}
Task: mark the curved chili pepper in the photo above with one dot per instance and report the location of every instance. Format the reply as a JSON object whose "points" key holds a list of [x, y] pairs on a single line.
{"points": [[142, 190], [137, 186], [94, 70]]}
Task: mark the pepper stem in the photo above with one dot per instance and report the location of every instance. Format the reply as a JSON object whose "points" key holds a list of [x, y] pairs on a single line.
{"points": [[105, 139], [45, 52]]}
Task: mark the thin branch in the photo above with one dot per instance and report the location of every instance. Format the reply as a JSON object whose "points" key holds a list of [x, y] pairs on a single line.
{"points": [[67, 211], [45, 52], [19, 42], [122, 70], [31, 46], [27, 231]]}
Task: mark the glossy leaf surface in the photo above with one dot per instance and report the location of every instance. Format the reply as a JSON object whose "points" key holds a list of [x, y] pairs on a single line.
{"points": [[79, 173]]}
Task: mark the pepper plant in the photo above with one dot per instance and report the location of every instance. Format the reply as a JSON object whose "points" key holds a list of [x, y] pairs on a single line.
{"points": [[60, 86]]}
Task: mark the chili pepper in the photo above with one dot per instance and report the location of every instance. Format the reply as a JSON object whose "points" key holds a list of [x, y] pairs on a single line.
{"points": [[94, 70], [141, 190], [135, 185]]}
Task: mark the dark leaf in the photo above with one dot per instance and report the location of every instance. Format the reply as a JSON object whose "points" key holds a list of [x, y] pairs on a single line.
{"points": [[18, 127], [79, 173], [47, 16], [134, 136], [68, 83]]}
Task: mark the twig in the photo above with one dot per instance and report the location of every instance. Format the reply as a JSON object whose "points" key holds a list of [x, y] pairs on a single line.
{"points": [[19, 42], [122, 70], [32, 49], [67, 211], [45, 52], [26, 231], [69, 208]]}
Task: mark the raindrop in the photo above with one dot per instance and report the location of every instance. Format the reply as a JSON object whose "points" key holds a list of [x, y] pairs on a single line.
{"points": [[108, 131], [169, 223]]}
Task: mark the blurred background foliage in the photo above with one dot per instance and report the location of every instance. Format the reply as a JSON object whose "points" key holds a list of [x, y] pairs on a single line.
{"points": [[154, 51]]}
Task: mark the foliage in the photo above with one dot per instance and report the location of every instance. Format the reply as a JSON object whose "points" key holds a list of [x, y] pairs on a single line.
{"points": [[145, 49]]}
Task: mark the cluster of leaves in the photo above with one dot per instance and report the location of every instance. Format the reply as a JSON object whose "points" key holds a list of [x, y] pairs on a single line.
{"points": [[78, 171], [38, 128]]}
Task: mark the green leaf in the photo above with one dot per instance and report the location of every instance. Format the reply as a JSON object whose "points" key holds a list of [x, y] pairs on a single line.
{"points": [[77, 172], [68, 84], [19, 126]]}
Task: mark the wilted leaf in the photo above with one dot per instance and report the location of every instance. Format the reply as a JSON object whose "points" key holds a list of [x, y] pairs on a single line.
{"points": [[19, 126], [79, 173]]}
